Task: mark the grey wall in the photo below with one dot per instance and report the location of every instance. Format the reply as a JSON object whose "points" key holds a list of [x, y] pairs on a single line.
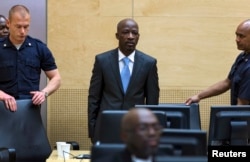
{"points": [[38, 29]]}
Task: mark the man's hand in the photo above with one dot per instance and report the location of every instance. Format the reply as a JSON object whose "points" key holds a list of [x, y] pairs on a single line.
{"points": [[9, 101], [38, 97], [193, 99]]}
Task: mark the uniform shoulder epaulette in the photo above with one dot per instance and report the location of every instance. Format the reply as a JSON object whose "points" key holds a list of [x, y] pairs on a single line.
{"points": [[35, 39]]}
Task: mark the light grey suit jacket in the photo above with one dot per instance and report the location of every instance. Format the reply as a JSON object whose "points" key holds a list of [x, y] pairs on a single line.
{"points": [[106, 92]]}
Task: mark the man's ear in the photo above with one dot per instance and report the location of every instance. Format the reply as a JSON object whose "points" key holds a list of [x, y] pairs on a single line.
{"points": [[117, 36], [7, 23]]}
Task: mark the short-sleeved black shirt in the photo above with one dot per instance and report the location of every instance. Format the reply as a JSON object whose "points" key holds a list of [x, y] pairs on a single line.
{"points": [[20, 69], [240, 78]]}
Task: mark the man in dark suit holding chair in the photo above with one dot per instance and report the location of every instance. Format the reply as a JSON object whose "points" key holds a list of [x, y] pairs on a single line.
{"points": [[118, 85]]}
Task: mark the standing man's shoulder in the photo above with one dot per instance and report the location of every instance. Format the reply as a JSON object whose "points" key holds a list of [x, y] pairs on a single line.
{"points": [[145, 55], [5, 43], [3, 39], [106, 53], [35, 40]]}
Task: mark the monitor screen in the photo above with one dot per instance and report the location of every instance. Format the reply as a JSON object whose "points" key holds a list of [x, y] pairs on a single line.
{"points": [[229, 125], [179, 115], [186, 142], [181, 159]]}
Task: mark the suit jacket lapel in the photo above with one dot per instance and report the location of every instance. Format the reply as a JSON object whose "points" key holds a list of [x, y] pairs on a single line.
{"points": [[115, 67], [138, 64]]}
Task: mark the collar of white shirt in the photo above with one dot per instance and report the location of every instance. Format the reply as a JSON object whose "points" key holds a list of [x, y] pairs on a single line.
{"points": [[121, 56], [135, 159]]}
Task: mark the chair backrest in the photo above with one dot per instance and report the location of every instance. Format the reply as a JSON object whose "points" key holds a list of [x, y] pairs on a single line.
{"points": [[7, 155], [23, 130], [110, 126], [111, 123], [99, 151]]}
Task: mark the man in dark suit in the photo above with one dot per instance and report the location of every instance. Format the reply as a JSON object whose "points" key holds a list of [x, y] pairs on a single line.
{"points": [[106, 89], [4, 30], [140, 131]]}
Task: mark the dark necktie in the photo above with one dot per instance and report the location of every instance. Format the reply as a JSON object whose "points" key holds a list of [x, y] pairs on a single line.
{"points": [[125, 73]]}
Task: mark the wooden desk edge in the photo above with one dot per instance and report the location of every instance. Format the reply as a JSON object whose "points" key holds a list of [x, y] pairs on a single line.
{"points": [[54, 156]]}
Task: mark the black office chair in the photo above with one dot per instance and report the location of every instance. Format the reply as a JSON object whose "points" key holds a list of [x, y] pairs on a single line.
{"points": [[7, 155], [98, 151], [23, 130], [111, 123], [110, 126]]}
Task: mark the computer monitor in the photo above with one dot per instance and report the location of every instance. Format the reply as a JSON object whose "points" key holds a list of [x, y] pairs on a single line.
{"points": [[7, 154], [179, 116], [229, 125], [186, 142], [111, 122], [181, 159]]}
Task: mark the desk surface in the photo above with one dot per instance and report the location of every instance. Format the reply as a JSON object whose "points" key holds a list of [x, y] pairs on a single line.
{"points": [[54, 157]]}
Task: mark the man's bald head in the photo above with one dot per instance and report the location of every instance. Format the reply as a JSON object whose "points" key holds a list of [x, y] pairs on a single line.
{"points": [[140, 131]]}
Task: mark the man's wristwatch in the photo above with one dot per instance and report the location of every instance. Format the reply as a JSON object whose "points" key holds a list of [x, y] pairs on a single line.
{"points": [[45, 93]]}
